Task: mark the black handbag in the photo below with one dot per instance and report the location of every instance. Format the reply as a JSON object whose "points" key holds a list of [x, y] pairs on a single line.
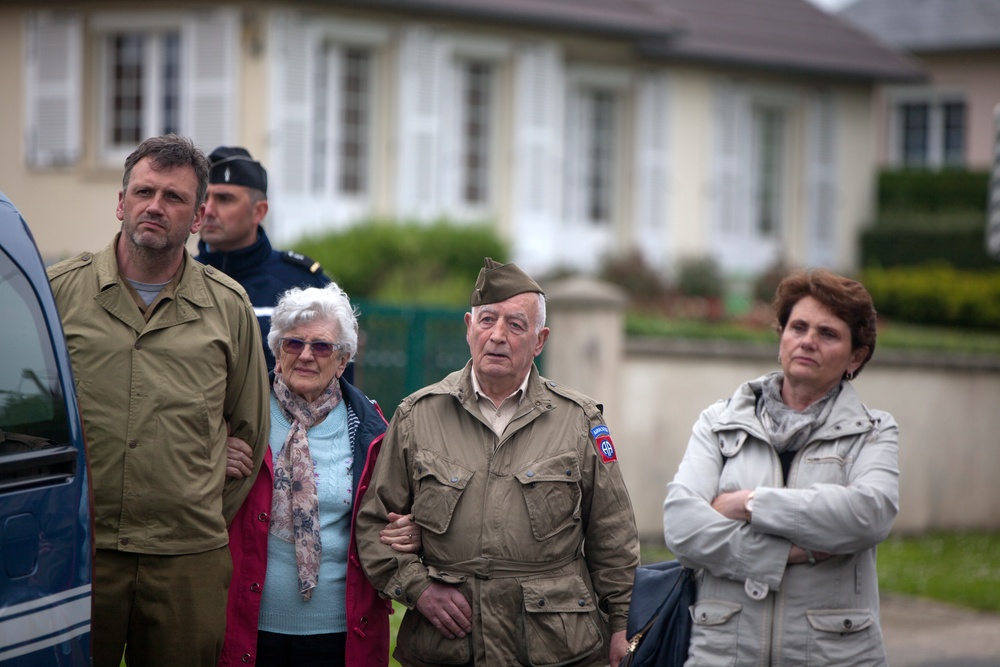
{"points": [[659, 619]]}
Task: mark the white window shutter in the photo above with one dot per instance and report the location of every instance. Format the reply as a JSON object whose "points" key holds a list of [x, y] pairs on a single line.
{"points": [[821, 181], [577, 142], [540, 102], [419, 113], [294, 60], [651, 168], [210, 43], [538, 165], [53, 88]]}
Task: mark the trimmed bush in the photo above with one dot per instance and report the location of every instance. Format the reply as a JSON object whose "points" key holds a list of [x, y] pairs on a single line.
{"points": [[932, 191], [408, 262], [936, 295]]}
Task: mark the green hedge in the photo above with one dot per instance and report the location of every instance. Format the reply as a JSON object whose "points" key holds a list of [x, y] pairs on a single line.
{"points": [[961, 245], [406, 262], [931, 191], [936, 295]]}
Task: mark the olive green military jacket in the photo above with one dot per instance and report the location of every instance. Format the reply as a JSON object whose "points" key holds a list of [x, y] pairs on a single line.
{"points": [[535, 528], [156, 398]]}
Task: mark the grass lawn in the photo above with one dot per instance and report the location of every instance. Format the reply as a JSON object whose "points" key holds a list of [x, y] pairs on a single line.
{"points": [[962, 569]]}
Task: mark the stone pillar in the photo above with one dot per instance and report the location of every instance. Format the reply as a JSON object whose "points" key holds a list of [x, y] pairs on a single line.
{"points": [[585, 349]]}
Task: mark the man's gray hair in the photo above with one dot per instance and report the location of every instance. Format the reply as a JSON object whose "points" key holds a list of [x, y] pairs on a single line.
{"points": [[328, 304]]}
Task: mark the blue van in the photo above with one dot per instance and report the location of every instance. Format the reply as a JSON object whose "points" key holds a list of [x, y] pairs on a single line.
{"points": [[46, 529]]}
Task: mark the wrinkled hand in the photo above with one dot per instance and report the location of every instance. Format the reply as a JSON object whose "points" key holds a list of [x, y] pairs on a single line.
{"points": [[732, 505], [619, 645], [239, 458], [402, 534], [446, 609]]}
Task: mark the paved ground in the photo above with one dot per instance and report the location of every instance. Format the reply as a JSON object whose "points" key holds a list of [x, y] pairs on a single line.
{"points": [[921, 633]]}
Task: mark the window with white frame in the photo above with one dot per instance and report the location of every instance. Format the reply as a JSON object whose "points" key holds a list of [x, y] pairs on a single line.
{"points": [[143, 77], [592, 132], [476, 80], [768, 168], [164, 72], [928, 130], [343, 121]]}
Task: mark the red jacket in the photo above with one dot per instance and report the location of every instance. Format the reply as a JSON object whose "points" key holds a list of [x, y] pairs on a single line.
{"points": [[367, 612]]}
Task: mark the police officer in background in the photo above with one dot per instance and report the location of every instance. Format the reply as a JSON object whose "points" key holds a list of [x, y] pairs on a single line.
{"points": [[233, 241]]}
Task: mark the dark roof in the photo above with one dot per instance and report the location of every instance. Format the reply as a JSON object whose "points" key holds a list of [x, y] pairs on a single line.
{"points": [[921, 26], [786, 35], [629, 18]]}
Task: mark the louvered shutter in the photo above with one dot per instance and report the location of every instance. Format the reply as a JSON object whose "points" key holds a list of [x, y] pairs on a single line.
{"points": [[211, 53], [53, 88]]}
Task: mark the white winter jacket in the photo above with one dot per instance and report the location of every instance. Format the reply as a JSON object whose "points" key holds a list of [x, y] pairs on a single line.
{"points": [[841, 497]]}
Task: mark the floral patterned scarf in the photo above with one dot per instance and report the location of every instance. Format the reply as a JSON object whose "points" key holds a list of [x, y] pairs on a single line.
{"points": [[295, 504]]}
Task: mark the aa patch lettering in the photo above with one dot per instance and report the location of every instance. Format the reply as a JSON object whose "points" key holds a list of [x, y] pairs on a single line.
{"points": [[606, 448]]}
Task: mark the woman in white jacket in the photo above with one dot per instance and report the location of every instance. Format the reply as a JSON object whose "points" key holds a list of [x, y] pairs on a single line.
{"points": [[784, 492]]}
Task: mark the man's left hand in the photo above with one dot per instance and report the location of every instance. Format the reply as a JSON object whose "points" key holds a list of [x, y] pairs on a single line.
{"points": [[619, 646]]}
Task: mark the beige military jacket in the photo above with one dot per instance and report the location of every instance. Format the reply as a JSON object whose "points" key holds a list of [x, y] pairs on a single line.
{"points": [[534, 527], [156, 397]]}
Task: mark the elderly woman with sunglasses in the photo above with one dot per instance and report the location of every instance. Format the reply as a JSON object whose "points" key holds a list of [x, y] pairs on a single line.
{"points": [[315, 604]]}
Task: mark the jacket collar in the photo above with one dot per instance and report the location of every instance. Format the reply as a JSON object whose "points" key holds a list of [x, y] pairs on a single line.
{"points": [[191, 293], [739, 418], [237, 262]]}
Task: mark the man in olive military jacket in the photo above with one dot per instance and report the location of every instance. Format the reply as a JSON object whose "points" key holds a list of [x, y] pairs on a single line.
{"points": [[167, 359], [529, 540]]}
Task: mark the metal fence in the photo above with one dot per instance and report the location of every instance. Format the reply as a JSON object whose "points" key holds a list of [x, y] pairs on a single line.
{"points": [[404, 348]]}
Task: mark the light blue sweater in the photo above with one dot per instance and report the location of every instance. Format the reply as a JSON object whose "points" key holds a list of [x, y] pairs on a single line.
{"points": [[282, 608]]}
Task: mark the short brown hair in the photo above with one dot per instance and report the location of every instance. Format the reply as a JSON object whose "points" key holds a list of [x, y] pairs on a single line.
{"points": [[169, 151], [847, 299]]}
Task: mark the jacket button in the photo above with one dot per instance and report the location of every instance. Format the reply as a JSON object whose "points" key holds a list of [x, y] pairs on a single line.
{"points": [[255, 587], [138, 345], [541, 603], [582, 602], [398, 592], [132, 444], [246, 657], [530, 473], [262, 516], [124, 541], [454, 479], [847, 623], [569, 473]]}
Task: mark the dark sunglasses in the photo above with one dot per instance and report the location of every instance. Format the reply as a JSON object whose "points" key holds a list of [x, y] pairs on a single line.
{"points": [[320, 348]]}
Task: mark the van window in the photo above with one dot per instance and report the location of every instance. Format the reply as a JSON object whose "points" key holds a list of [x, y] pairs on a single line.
{"points": [[32, 405]]}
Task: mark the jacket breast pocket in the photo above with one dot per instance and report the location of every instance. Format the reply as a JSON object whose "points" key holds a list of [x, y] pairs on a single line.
{"points": [[842, 637], [440, 482], [715, 632], [551, 489], [558, 625]]}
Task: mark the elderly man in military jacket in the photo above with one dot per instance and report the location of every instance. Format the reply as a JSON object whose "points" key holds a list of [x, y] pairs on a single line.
{"points": [[530, 543]]}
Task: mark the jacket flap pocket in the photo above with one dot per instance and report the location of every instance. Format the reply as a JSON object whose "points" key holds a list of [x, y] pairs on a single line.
{"points": [[445, 471], [559, 468], [713, 612], [562, 595], [840, 620], [439, 486]]}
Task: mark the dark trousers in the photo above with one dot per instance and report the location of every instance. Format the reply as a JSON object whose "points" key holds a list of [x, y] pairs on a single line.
{"points": [[278, 650], [161, 610]]}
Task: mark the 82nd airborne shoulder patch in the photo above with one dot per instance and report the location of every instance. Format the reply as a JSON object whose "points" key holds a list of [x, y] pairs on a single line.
{"points": [[602, 439]]}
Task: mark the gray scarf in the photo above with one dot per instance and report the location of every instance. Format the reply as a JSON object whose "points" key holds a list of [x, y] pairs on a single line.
{"points": [[790, 429]]}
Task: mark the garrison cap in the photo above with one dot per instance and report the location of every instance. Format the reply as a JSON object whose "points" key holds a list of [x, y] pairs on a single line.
{"points": [[233, 165], [498, 282]]}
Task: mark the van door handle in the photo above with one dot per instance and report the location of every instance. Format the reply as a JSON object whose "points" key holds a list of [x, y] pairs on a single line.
{"points": [[50, 466]]}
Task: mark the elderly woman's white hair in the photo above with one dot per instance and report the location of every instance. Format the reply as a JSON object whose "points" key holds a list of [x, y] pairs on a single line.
{"points": [[330, 304]]}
